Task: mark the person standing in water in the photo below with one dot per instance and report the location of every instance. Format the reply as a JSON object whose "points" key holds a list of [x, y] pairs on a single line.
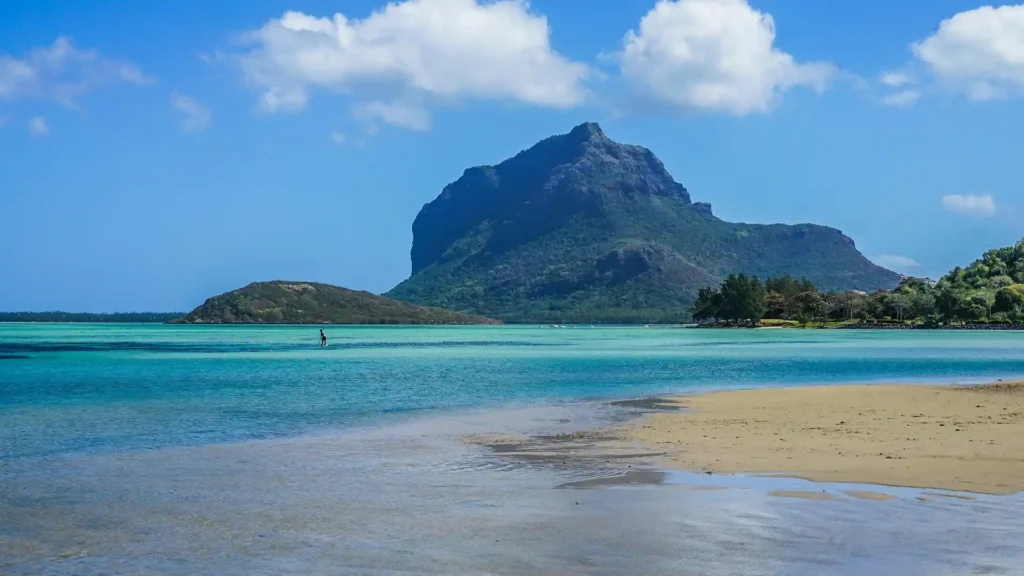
{"points": [[323, 338]]}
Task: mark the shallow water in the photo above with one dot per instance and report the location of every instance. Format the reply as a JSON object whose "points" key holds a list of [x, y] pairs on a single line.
{"points": [[85, 388], [250, 450]]}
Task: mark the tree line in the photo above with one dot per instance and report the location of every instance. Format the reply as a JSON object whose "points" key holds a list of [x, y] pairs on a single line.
{"points": [[125, 317], [990, 290]]}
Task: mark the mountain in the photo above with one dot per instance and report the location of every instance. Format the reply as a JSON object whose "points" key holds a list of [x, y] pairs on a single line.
{"points": [[579, 228], [282, 302]]}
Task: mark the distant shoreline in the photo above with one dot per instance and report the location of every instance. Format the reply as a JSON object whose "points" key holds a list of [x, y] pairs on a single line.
{"points": [[721, 326], [61, 317], [792, 325]]}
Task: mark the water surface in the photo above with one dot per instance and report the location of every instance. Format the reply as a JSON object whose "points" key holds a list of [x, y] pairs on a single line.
{"points": [[251, 450], [70, 388]]}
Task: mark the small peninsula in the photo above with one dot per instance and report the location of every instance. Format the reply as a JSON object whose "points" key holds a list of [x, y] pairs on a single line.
{"points": [[282, 302]]}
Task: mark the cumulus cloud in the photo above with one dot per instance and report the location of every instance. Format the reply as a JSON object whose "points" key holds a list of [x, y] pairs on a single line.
{"points": [[712, 55], [975, 205], [411, 55], [979, 52], [62, 72], [338, 138], [37, 126], [896, 262], [196, 117]]}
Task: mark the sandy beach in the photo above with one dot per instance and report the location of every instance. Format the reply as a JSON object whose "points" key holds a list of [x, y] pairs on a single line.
{"points": [[964, 438]]}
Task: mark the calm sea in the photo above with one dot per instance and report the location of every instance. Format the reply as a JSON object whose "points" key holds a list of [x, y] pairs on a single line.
{"points": [[128, 449]]}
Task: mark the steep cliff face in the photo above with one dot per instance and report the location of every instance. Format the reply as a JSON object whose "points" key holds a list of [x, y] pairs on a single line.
{"points": [[582, 228], [538, 190]]}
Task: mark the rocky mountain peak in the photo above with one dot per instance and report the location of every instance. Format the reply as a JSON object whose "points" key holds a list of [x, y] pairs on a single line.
{"points": [[537, 190], [586, 132]]}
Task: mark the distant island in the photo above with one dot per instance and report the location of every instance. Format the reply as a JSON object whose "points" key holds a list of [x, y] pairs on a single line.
{"points": [[116, 317], [988, 294], [582, 229], [281, 302]]}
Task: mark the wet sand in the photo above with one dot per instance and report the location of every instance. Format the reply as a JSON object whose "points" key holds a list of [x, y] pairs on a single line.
{"points": [[962, 438]]}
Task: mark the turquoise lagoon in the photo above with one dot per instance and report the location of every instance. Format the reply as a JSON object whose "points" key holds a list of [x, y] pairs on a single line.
{"points": [[71, 388], [250, 450]]}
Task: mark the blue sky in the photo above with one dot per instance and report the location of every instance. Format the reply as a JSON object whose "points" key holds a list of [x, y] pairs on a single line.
{"points": [[156, 153]]}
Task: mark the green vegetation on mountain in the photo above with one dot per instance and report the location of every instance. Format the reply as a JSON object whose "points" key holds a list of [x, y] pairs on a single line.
{"points": [[115, 317], [282, 302], [580, 228], [990, 290]]}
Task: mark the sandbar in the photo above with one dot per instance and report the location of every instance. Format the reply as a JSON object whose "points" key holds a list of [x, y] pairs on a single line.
{"points": [[957, 438], [868, 495]]}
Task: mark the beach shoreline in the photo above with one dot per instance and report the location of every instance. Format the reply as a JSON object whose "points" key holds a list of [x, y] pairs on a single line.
{"points": [[965, 438]]}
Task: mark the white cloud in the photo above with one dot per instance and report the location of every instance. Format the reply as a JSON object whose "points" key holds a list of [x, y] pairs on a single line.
{"points": [[37, 126], [895, 79], [394, 113], [976, 205], [338, 138], [712, 55], [902, 99], [62, 73], [905, 95], [196, 116], [411, 55], [979, 52], [896, 262]]}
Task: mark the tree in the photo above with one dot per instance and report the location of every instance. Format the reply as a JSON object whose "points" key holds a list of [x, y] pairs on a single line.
{"points": [[707, 304], [1018, 271], [974, 308], [810, 306], [923, 304], [776, 305], [949, 303], [783, 290], [743, 298], [845, 305], [1009, 298], [896, 305]]}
